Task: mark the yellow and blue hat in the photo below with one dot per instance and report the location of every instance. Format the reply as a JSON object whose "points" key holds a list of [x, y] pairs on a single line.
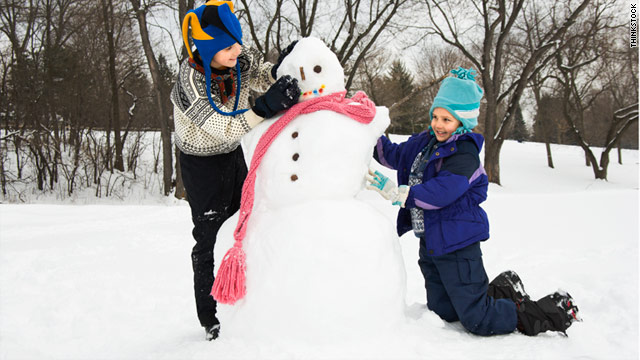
{"points": [[460, 96], [214, 27]]}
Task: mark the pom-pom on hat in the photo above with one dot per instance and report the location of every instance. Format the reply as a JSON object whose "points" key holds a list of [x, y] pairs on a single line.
{"points": [[460, 95], [214, 27]]}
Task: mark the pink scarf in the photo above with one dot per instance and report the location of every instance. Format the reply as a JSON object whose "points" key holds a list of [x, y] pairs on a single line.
{"points": [[229, 285]]}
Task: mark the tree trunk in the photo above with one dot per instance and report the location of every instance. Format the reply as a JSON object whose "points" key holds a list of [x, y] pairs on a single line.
{"points": [[547, 144], [542, 121], [549, 155], [599, 171], [163, 118], [183, 7], [604, 165], [181, 192], [492, 145], [107, 13], [619, 154], [492, 161]]}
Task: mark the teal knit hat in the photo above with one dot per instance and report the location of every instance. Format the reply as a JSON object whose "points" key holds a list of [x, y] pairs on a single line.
{"points": [[460, 95]]}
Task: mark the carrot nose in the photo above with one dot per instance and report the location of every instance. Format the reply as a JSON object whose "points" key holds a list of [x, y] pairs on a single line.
{"points": [[302, 73]]}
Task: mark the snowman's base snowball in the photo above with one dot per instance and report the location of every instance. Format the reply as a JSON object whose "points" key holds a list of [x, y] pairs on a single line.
{"points": [[322, 269]]}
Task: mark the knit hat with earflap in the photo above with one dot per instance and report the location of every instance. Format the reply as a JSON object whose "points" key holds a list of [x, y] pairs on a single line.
{"points": [[460, 95], [214, 27]]}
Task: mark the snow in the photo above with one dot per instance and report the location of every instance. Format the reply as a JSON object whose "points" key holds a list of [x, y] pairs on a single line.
{"points": [[306, 281], [114, 281]]}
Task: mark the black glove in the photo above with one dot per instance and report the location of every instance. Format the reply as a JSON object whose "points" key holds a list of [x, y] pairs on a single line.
{"points": [[283, 54], [282, 95]]}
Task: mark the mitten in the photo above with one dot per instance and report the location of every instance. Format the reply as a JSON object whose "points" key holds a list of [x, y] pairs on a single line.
{"points": [[387, 188], [283, 54], [282, 95]]}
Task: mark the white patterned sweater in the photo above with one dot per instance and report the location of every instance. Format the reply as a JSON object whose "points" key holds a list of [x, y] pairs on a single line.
{"points": [[199, 129]]}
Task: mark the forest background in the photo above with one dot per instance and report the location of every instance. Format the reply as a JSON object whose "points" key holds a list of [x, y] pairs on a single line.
{"points": [[85, 84]]}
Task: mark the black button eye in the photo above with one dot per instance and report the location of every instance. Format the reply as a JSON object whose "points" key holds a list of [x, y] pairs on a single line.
{"points": [[317, 68]]}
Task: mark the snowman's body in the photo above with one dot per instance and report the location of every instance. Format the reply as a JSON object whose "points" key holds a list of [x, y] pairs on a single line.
{"points": [[317, 258]]}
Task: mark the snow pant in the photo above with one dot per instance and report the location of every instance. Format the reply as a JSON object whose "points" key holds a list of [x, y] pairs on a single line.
{"points": [[214, 187], [457, 287]]}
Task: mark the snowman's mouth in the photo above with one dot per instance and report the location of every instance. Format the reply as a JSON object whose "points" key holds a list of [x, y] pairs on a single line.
{"points": [[314, 92]]}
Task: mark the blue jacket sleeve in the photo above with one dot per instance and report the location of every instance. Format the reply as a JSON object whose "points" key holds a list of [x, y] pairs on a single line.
{"points": [[451, 182], [387, 153], [437, 192]]}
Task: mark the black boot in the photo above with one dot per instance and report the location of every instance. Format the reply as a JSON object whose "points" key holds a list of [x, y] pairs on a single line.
{"points": [[507, 285], [555, 312], [212, 332]]}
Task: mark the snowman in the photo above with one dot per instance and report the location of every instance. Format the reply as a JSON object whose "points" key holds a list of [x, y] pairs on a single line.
{"points": [[321, 264]]}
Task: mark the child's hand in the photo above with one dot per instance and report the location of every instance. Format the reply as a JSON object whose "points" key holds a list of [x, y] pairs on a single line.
{"points": [[283, 54], [380, 183], [387, 188], [282, 95]]}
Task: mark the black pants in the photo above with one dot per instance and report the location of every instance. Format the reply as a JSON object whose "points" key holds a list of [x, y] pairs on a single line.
{"points": [[214, 187]]}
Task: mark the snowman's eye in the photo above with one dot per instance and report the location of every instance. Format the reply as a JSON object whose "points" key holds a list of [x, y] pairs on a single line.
{"points": [[317, 68]]}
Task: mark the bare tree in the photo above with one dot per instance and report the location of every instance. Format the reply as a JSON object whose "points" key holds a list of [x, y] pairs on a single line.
{"points": [[370, 74], [18, 23], [4, 90], [141, 11], [39, 33], [363, 25], [623, 89], [109, 24], [541, 121], [495, 21], [183, 7], [180, 192], [54, 87], [582, 66]]}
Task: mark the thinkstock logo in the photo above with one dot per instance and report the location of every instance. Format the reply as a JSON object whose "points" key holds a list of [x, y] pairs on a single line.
{"points": [[633, 25]]}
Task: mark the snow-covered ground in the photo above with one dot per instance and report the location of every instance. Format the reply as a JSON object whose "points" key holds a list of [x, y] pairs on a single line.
{"points": [[113, 281]]}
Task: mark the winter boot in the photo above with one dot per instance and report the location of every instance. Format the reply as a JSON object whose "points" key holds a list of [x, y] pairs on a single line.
{"points": [[562, 300], [555, 312], [212, 332], [508, 285]]}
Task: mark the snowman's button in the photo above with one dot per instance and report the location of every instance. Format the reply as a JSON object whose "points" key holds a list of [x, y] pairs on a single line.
{"points": [[294, 135], [295, 157], [294, 177]]}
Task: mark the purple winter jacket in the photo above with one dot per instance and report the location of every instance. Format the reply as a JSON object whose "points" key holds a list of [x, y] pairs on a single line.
{"points": [[454, 184]]}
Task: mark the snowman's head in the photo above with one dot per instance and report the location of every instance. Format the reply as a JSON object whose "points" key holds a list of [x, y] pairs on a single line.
{"points": [[316, 68]]}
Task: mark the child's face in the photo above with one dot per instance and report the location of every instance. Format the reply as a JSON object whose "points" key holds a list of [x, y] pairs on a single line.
{"points": [[226, 58], [443, 124]]}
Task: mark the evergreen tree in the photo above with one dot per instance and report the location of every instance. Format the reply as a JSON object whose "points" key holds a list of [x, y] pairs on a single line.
{"points": [[549, 126], [519, 131], [167, 73], [398, 84]]}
